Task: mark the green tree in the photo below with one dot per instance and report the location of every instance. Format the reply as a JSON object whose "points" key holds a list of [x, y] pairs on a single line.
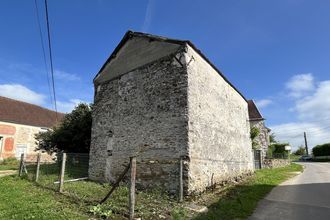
{"points": [[300, 151], [278, 150], [72, 135], [272, 138], [254, 133], [322, 150]]}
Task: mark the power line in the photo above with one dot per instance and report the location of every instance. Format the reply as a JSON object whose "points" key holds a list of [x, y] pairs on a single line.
{"points": [[314, 131], [302, 128], [51, 58], [287, 126], [43, 49]]}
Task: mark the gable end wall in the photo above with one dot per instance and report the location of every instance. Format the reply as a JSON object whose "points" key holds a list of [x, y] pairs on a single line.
{"points": [[142, 112], [219, 142]]}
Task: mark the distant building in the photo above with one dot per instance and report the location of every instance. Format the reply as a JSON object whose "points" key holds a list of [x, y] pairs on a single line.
{"points": [[256, 120], [162, 99], [19, 122]]}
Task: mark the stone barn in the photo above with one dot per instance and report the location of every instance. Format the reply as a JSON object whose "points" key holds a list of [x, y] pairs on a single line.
{"points": [[256, 120], [162, 99]]}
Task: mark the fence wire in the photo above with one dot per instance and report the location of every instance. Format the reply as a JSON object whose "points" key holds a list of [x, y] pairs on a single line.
{"points": [[76, 169]]}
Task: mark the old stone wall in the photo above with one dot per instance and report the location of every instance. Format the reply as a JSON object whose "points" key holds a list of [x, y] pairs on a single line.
{"points": [[263, 137], [219, 143], [274, 163], [144, 113], [173, 107]]}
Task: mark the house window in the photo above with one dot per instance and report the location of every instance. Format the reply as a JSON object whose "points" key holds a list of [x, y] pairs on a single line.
{"points": [[21, 149]]}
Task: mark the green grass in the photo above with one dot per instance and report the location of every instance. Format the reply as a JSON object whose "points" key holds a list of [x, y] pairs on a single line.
{"points": [[294, 157], [9, 164], [238, 202], [20, 198]]}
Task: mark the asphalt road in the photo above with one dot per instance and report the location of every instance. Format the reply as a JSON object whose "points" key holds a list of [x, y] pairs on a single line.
{"points": [[306, 196]]}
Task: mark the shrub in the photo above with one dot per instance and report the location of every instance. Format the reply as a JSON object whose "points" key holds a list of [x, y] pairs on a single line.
{"points": [[10, 161], [300, 151], [322, 150], [254, 132], [277, 150], [72, 135]]}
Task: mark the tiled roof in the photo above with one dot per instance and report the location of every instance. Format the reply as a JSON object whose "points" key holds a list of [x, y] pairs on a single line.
{"points": [[19, 112], [254, 113]]}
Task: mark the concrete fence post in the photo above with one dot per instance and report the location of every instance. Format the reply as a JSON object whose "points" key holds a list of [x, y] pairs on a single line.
{"points": [[21, 165], [181, 180], [260, 158], [60, 188], [38, 167], [132, 187]]}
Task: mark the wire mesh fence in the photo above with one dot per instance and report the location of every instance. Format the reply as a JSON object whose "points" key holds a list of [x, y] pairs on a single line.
{"points": [[46, 172], [67, 173]]}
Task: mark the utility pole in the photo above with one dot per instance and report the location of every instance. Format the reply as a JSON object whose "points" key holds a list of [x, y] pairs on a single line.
{"points": [[306, 146]]}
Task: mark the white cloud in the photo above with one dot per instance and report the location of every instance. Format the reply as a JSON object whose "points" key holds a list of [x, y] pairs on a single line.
{"points": [[148, 15], [66, 107], [300, 84], [312, 112], [294, 133], [22, 93], [262, 103], [317, 105], [59, 74]]}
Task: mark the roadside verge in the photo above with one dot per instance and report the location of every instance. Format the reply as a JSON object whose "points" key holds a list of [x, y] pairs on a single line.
{"points": [[239, 201]]}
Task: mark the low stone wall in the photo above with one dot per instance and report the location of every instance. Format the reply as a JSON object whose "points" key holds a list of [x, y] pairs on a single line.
{"points": [[321, 157], [274, 163]]}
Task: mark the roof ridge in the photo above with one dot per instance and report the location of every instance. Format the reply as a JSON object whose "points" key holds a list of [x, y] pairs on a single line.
{"points": [[131, 33], [251, 102], [27, 103], [20, 112]]}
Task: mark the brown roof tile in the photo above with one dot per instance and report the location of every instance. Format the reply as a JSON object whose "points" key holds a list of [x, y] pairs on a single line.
{"points": [[19, 112], [254, 113]]}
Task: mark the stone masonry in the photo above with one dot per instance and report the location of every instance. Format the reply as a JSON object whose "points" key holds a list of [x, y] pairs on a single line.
{"points": [[168, 103], [256, 120]]}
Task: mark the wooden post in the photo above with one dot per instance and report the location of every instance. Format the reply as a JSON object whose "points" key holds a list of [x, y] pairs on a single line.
{"points": [[21, 165], [132, 187], [116, 184], [181, 181], [38, 167], [60, 188]]}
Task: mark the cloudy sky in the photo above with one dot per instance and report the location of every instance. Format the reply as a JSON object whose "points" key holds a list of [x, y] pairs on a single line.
{"points": [[275, 52]]}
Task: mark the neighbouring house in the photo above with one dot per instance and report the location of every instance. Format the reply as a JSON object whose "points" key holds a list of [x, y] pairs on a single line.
{"points": [[256, 120], [19, 122], [161, 99]]}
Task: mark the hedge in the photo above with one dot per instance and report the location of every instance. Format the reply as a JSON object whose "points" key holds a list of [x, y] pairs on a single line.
{"points": [[322, 150]]}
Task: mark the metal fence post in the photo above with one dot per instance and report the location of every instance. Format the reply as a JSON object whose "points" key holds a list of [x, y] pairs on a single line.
{"points": [[60, 188], [38, 167], [181, 180], [21, 165], [132, 187]]}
